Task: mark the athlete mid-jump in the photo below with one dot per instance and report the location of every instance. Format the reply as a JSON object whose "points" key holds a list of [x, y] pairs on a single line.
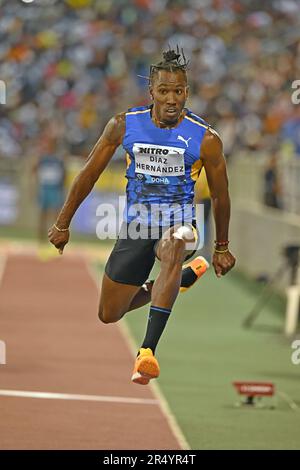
{"points": [[166, 146]]}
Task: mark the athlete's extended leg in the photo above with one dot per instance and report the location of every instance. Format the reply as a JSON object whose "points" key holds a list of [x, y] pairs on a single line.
{"points": [[171, 251]]}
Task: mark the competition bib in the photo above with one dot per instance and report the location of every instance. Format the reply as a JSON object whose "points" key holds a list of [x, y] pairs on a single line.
{"points": [[158, 161]]}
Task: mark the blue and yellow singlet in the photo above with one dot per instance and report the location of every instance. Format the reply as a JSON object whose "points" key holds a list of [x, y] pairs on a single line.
{"points": [[162, 167]]}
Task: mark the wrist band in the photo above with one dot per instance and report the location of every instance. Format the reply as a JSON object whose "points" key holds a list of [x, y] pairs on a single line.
{"points": [[60, 229], [223, 243], [221, 251]]}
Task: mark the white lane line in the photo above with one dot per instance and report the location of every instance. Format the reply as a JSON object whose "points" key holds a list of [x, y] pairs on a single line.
{"points": [[161, 401], [68, 396], [284, 396]]}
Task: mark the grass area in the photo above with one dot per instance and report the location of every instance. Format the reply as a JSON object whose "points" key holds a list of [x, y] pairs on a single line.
{"points": [[204, 349]]}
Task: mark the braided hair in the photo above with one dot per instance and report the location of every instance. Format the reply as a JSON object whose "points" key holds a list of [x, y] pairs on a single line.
{"points": [[172, 61]]}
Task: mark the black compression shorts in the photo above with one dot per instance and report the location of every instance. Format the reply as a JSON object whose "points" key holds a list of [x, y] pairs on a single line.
{"points": [[131, 261]]}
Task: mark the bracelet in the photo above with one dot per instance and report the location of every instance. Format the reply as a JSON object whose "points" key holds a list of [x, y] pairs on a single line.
{"points": [[223, 251], [60, 229], [224, 243]]}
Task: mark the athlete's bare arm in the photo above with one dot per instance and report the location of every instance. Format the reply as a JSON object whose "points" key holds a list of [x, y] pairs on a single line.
{"points": [[215, 167], [84, 182]]}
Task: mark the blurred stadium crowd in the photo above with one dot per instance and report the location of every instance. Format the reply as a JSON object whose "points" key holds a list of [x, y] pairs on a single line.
{"points": [[70, 65]]}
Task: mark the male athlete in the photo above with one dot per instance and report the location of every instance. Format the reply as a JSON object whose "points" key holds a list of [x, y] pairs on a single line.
{"points": [[166, 146]]}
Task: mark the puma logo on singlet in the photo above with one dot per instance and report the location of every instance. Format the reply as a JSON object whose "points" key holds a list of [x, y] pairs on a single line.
{"points": [[184, 140]]}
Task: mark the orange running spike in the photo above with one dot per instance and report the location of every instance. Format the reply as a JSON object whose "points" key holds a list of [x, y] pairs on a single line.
{"points": [[146, 367]]}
